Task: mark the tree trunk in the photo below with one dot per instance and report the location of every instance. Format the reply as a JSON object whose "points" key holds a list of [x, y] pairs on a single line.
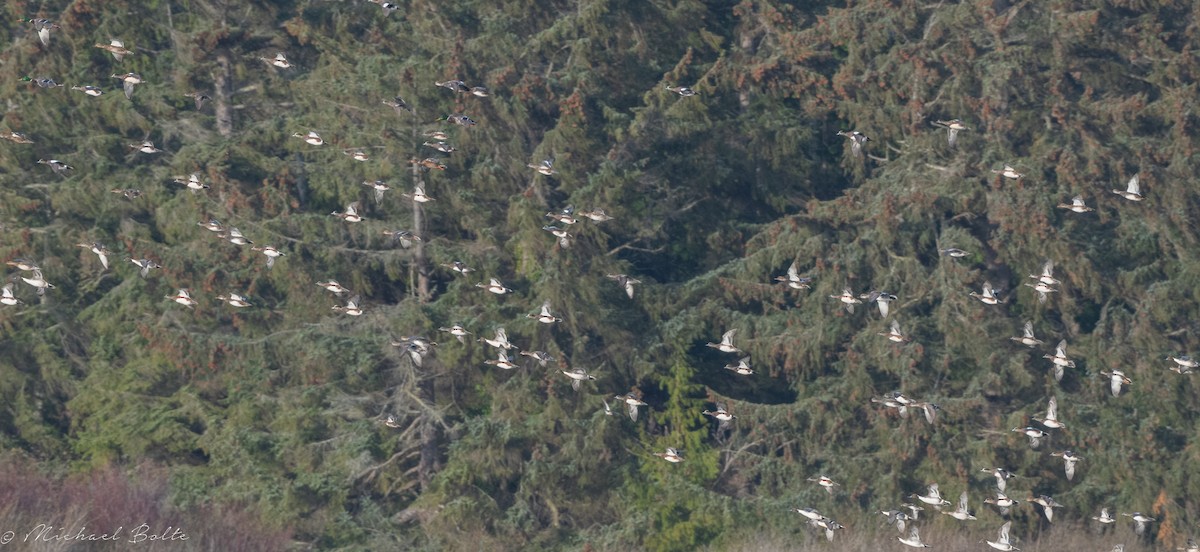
{"points": [[223, 94]]}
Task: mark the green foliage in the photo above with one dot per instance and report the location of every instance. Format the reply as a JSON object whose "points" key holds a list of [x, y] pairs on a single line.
{"points": [[280, 407]]}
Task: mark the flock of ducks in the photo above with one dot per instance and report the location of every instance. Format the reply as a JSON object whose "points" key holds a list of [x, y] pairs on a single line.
{"points": [[418, 347]]}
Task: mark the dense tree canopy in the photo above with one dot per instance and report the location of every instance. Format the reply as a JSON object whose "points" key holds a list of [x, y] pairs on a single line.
{"points": [[321, 427]]}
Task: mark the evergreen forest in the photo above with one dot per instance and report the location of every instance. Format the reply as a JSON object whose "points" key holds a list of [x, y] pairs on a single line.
{"points": [[241, 237]]}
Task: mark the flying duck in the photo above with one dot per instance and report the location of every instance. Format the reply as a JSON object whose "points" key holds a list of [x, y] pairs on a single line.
{"points": [[350, 214], [192, 182], [793, 278], [1003, 542], [625, 282], [988, 297], [596, 215], [1051, 419], [1035, 435], [279, 61], [1008, 172], [742, 367], [99, 249], [726, 344], [353, 307], [546, 167], [1133, 190], [848, 299], [494, 286], [311, 138], [145, 147], [403, 237], [578, 376], [183, 297], [502, 361], [43, 28], [128, 81], [1028, 338], [1077, 205], [682, 91], [1116, 379], [334, 286], [270, 252], [545, 317], [1069, 461], [500, 341], [633, 403], [239, 301], [458, 331], [144, 266], [913, 540], [92, 91], [671, 456], [7, 297], [953, 126], [235, 237], [459, 267], [1060, 360], [857, 139], [38, 281], [961, 513], [116, 48]]}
